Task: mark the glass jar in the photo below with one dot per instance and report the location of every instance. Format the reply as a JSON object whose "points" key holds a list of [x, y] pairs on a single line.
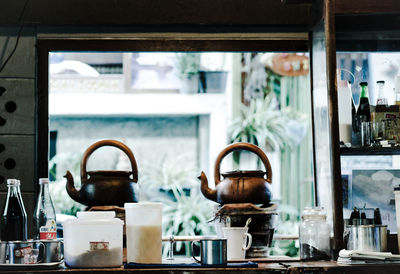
{"points": [[314, 233]]}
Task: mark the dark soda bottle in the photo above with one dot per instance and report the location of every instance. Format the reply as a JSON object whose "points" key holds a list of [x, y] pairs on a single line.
{"points": [[363, 107], [14, 219]]}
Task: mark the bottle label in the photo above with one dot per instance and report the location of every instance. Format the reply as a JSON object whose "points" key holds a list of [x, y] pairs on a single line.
{"points": [[49, 231]]}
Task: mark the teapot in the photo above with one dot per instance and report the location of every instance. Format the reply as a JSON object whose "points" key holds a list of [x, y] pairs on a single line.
{"points": [[240, 186], [104, 187]]}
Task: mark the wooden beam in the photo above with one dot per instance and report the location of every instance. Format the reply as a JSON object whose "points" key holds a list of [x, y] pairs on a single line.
{"points": [[366, 6]]}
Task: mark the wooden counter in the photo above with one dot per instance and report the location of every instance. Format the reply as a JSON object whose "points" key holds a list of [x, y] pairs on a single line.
{"points": [[291, 267]]}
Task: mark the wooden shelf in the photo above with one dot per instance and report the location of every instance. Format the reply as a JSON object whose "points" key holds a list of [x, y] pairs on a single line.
{"points": [[366, 151]]}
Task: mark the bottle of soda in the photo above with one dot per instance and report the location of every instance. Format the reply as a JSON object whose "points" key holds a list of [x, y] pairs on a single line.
{"points": [[363, 107], [44, 216], [14, 219]]}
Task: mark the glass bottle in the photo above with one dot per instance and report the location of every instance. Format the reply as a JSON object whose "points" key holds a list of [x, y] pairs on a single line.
{"points": [[363, 107], [314, 235], [44, 216], [14, 219], [381, 100]]}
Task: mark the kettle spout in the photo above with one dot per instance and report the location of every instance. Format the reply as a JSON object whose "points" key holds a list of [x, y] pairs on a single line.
{"points": [[71, 190], [207, 192]]}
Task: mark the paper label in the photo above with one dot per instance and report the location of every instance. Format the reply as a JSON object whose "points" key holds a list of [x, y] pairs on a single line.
{"points": [[99, 246], [21, 252], [49, 231]]}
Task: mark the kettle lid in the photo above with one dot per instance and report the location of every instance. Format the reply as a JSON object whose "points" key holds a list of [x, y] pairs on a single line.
{"points": [[244, 173]]}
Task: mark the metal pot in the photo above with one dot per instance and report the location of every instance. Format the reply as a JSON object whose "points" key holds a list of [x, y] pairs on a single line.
{"points": [[366, 237]]}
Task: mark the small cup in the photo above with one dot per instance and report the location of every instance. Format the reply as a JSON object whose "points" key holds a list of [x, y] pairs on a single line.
{"points": [[23, 252], [212, 251], [52, 250], [3, 252], [237, 238]]}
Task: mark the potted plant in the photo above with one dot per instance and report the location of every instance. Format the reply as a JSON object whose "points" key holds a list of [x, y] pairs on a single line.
{"points": [[212, 75], [188, 66]]}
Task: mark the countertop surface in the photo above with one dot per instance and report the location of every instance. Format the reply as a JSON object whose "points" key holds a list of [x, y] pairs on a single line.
{"points": [[268, 265]]}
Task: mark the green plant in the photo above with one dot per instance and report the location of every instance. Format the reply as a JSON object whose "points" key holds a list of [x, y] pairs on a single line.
{"points": [[187, 64], [57, 166], [187, 216], [261, 123]]}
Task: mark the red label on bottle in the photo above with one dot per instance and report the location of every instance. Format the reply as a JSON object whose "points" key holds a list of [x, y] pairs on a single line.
{"points": [[49, 231], [48, 235]]}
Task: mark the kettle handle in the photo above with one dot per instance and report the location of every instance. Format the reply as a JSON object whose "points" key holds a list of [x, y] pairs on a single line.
{"points": [[113, 143], [242, 146]]}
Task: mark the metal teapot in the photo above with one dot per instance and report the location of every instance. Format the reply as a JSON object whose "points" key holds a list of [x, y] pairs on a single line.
{"points": [[104, 187], [239, 186]]}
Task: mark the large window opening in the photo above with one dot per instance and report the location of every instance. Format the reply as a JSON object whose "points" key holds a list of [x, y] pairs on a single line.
{"points": [[177, 111]]}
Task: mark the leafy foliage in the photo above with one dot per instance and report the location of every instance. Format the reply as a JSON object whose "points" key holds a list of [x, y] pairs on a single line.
{"points": [[261, 123], [187, 64]]}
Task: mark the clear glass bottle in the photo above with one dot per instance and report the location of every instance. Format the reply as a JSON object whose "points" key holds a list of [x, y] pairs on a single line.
{"points": [[14, 218], [44, 216], [314, 235], [381, 100]]}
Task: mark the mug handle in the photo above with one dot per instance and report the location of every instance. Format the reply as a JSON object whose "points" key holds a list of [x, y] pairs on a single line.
{"points": [[191, 250], [62, 249], [249, 241], [44, 253]]}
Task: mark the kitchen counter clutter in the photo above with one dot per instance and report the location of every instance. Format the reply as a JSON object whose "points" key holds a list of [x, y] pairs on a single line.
{"points": [[270, 265]]}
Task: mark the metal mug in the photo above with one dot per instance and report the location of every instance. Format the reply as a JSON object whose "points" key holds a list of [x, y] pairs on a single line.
{"points": [[17, 250], [366, 237], [3, 252], [53, 250], [213, 251]]}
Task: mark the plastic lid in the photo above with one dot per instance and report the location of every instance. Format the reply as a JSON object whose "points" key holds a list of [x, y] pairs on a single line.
{"points": [[43, 181], [94, 218], [143, 205], [13, 182], [95, 214]]}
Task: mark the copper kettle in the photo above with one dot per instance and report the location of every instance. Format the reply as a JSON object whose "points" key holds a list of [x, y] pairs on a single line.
{"points": [[104, 187], [239, 186]]}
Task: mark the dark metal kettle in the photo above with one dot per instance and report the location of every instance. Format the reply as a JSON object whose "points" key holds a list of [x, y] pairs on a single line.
{"points": [[104, 187]]}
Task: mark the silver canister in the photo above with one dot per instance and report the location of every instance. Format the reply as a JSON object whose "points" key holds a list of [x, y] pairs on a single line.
{"points": [[3, 252], [366, 237], [213, 251], [23, 252], [52, 250]]}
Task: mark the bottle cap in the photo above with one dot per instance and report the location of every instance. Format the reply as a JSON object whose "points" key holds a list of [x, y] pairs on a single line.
{"points": [[363, 84], [43, 181], [13, 182], [380, 82]]}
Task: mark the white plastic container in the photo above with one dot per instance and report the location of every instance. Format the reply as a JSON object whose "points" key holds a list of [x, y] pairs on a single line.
{"points": [[93, 240], [143, 232], [397, 202]]}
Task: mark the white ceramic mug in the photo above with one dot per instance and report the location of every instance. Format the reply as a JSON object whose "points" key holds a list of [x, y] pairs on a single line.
{"points": [[237, 238]]}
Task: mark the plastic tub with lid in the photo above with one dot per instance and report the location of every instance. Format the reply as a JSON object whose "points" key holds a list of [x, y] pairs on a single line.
{"points": [[94, 239]]}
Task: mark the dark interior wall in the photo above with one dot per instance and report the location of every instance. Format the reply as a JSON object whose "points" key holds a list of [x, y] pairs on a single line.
{"points": [[19, 136], [155, 13]]}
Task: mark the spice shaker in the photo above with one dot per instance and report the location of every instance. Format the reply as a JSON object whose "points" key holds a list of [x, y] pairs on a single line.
{"points": [[314, 233]]}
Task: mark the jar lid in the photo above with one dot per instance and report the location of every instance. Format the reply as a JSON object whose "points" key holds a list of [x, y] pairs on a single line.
{"points": [[314, 212], [143, 205], [95, 214]]}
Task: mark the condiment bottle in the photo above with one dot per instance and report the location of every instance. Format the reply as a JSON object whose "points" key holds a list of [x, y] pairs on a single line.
{"points": [[363, 107], [44, 216], [14, 218], [314, 233], [381, 100]]}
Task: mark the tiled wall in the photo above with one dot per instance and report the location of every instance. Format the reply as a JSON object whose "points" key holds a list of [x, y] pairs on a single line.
{"points": [[17, 115]]}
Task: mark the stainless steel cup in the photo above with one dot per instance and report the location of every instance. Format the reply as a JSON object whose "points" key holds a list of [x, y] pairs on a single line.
{"points": [[212, 251], [52, 250], [366, 237], [19, 249], [3, 252]]}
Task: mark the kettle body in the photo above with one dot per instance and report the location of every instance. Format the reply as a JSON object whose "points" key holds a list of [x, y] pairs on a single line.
{"points": [[105, 187], [239, 186]]}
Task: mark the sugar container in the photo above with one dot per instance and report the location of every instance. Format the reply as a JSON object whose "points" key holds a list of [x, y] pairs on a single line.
{"points": [[94, 239]]}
